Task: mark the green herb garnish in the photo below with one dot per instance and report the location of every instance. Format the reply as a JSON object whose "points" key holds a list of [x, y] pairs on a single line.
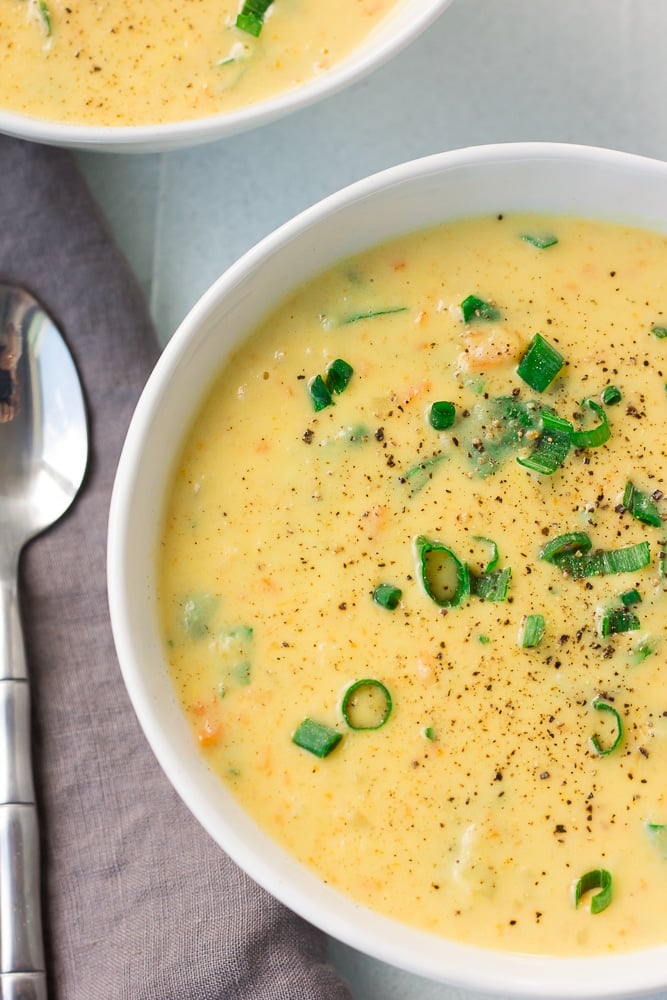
{"points": [[598, 878], [317, 738], [441, 416], [603, 706], [541, 242], [366, 704], [474, 308], [251, 18], [540, 364], [387, 596], [532, 631], [641, 506]]}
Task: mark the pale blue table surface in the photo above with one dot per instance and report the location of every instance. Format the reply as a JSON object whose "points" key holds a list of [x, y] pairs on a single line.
{"points": [[583, 71]]}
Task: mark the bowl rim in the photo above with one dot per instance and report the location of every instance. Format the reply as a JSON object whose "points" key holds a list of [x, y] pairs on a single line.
{"points": [[378, 48], [530, 976]]}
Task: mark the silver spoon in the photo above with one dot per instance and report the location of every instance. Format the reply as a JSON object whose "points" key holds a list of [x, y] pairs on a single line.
{"points": [[43, 456]]}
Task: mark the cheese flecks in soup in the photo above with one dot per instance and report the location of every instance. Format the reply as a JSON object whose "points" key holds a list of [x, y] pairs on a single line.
{"points": [[412, 581], [127, 64]]}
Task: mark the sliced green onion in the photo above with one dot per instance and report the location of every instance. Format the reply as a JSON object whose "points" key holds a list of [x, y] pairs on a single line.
{"points": [[532, 631], [491, 586], [549, 453], [603, 706], [598, 878], [495, 555], [45, 15], [629, 597], [659, 331], [616, 620], [430, 734], [251, 18], [338, 375], [476, 308], [540, 364], [577, 561], [366, 704], [371, 314], [657, 833], [419, 475], [662, 559], [387, 596], [572, 541], [594, 436], [317, 738], [542, 242], [319, 393], [445, 578], [611, 395], [643, 650], [641, 506], [552, 422], [441, 416]]}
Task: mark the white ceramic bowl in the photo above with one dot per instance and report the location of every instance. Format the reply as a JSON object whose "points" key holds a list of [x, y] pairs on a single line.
{"points": [[487, 179], [399, 29]]}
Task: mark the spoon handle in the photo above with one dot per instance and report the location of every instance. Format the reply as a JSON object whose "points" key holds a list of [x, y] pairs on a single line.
{"points": [[22, 966]]}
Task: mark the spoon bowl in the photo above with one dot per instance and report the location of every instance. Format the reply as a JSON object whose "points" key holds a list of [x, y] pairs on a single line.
{"points": [[43, 458]]}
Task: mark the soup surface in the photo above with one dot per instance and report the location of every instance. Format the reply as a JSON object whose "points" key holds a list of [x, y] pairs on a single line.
{"points": [[396, 481], [124, 63]]}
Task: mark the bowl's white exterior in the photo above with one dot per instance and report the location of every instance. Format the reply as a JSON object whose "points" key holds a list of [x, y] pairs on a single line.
{"points": [[486, 179], [400, 28]]}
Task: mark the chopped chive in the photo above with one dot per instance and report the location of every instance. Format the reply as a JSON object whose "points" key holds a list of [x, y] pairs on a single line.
{"points": [[662, 559], [659, 331], [598, 878], [572, 541], [430, 734], [491, 586], [541, 242], [338, 376], [387, 596], [549, 453], [616, 620], [442, 414], [540, 364], [475, 308], [319, 393], [532, 631], [483, 640], [594, 436], [371, 314], [495, 555], [445, 578], [603, 706], [552, 422], [317, 738], [250, 23], [366, 704], [45, 15], [611, 395], [571, 554], [641, 506], [629, 597], [642, 651], [251, 18]]}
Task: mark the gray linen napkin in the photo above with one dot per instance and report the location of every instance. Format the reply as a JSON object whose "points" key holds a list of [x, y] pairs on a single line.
{"points": [[139, 903]]}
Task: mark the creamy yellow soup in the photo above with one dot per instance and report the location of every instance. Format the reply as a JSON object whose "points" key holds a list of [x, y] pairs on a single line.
{"points": [[496, 581], [124, 63]]}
